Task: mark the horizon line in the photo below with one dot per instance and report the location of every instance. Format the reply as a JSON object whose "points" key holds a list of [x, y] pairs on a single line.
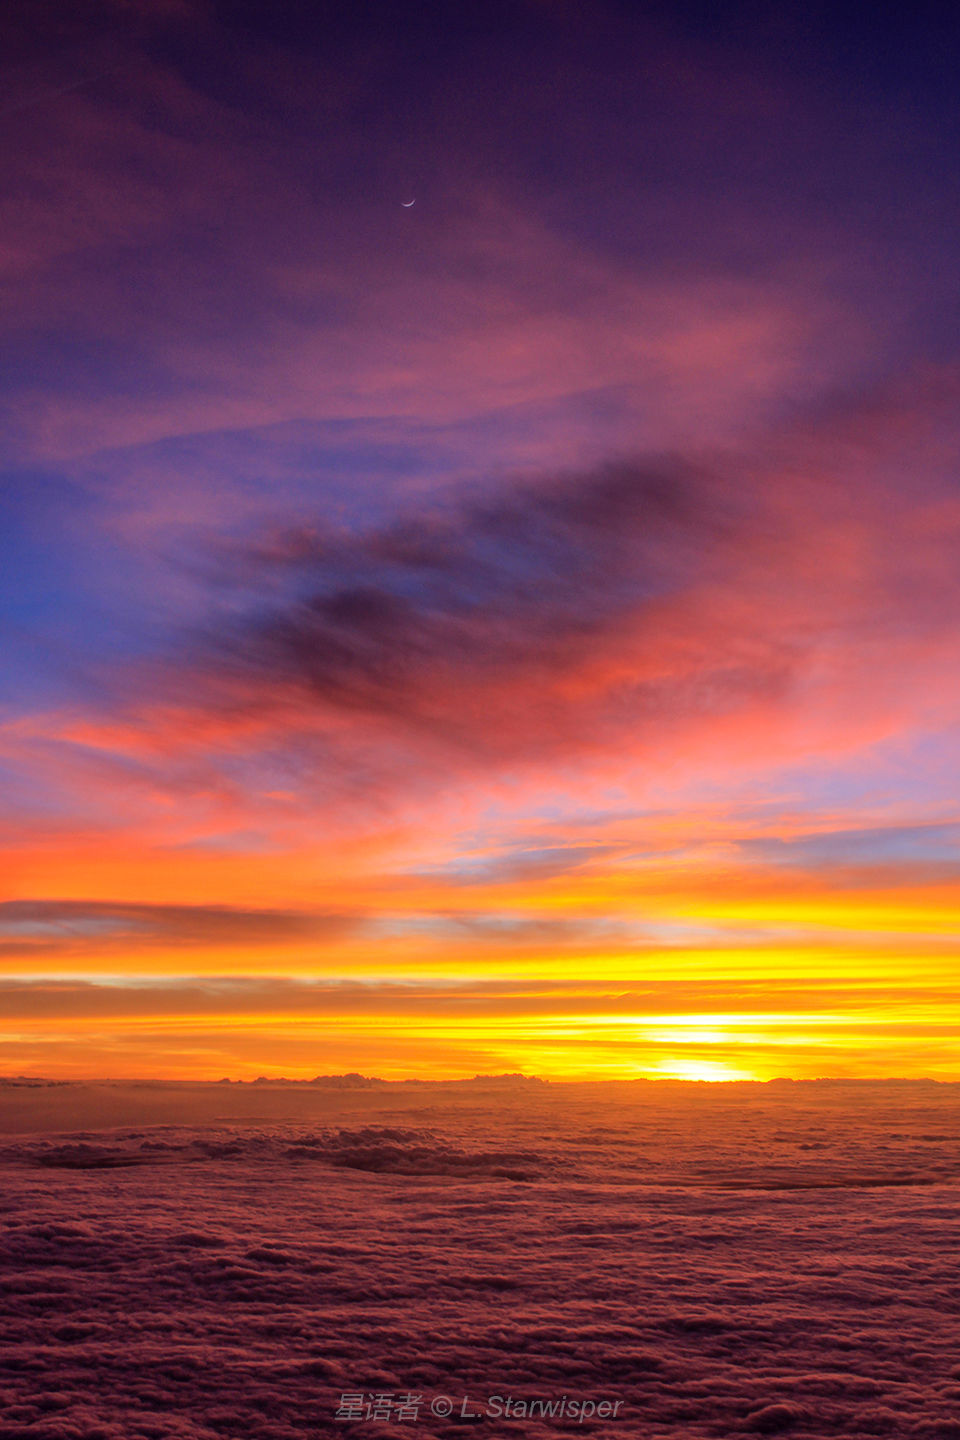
{"points": [[353, 1080]]}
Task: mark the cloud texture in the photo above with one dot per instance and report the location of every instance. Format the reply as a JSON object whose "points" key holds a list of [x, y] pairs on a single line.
{"points": [[736, 1260]]}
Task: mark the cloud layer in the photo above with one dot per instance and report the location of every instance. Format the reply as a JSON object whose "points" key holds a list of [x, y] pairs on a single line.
{"points": [[748, 1260]]}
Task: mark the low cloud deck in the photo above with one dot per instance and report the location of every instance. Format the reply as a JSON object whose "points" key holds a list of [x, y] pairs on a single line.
{"points": [[720, 1259]]}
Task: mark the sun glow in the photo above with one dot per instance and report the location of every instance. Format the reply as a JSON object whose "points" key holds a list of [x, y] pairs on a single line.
{"points": [[709, 1070]]}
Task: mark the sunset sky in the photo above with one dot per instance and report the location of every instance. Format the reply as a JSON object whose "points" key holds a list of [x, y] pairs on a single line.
{"points": [[516, 630]]}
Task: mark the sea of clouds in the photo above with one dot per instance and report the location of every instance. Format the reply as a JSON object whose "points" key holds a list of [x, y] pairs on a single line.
{"points": [[283, 1262]]}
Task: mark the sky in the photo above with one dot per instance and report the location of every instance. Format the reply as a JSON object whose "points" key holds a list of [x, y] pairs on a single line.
{"points": [[478, 535]]}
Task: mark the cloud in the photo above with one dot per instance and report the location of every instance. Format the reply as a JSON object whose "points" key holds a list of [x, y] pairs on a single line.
{"points": [[516, 625], [541, 620], [743, 1002], [205, 375], [153, 296], [374, 1149], [257, 1287], [30, 927], [646, 609]]}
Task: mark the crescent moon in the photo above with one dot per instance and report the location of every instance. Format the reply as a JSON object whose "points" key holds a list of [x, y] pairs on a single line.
{"points": [[407, 203]]}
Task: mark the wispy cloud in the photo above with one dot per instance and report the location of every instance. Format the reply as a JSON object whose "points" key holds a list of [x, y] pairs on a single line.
{"points": [[37, 927]]}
